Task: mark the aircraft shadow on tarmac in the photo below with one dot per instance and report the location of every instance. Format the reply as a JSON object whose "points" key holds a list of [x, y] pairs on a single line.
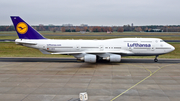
{"points": [[61, 60]]}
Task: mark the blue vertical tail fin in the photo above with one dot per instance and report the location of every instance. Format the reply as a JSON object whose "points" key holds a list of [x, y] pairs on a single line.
{"points": [[23, 30]]}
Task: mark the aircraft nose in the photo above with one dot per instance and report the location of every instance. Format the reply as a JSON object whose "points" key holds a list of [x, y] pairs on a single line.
{"points": [[172, 48]]}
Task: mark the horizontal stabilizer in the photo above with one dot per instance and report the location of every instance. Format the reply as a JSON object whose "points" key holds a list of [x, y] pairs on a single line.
{"points": [[44, 52], [27, 43]]}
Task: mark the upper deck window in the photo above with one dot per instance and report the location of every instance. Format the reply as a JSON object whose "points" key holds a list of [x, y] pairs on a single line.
{"points": [[161, 41]]}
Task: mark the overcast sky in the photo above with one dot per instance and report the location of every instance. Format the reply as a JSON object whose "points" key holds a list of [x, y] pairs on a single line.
{"points": [[92, 12]]}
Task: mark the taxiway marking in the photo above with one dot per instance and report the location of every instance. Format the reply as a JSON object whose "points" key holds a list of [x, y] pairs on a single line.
{"points": [[142, 80]]}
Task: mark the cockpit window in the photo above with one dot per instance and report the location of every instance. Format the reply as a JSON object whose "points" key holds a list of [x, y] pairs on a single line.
{"points": [[161, 41]]}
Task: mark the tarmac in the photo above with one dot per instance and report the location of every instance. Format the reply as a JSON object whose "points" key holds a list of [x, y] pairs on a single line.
{"points": [[62, 79]]}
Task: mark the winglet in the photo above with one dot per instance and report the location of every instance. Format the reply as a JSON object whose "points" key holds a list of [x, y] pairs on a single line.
{"points": [[23, 30]]}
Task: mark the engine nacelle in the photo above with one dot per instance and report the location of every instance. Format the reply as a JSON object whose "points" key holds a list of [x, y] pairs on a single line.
{"points": [[90, 58], [115, 58]]}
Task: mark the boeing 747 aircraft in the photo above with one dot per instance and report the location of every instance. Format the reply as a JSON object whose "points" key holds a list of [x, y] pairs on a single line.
{"points": [[90, 50]]}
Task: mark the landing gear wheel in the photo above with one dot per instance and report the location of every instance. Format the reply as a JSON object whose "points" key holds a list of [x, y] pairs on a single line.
{"points": [[155, 60]]}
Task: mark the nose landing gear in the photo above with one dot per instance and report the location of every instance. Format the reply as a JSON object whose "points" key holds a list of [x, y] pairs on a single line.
{"points": [[156, 60]]}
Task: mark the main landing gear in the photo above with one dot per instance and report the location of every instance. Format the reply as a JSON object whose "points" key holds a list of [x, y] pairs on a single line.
{"points": [[156, 60]]}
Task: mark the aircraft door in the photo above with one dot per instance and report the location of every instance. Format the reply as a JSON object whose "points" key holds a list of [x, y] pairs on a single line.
{"points": [[153, 45], [42, 46], [152, 48], [130, 48], [101, 47], [78, 47]]}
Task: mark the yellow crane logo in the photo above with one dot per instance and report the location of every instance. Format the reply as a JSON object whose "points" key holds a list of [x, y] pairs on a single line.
{"points": [[21, 28]]}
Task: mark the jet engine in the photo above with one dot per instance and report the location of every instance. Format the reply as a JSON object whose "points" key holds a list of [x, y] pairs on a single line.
{"points": [[113, 58], [89, 58]]}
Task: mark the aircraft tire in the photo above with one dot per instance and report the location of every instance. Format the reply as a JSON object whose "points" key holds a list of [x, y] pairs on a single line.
{"points": [[155, 60]]}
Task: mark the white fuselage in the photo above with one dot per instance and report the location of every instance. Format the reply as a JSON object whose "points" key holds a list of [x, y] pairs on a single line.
{"points": [[121, 46]]}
